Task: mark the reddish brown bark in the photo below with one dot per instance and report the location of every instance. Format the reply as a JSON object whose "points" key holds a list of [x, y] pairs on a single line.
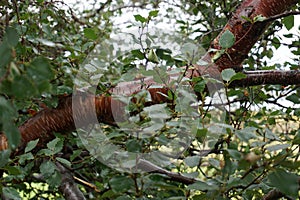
{"points": [[85, 107], [247, 33], [273, 77], [81, 108]]}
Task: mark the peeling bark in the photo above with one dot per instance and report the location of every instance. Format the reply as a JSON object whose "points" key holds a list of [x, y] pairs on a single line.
{"points": [[273, 77], [246, 33], [108, 110]]}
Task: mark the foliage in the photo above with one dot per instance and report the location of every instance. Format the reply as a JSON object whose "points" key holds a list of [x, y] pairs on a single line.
{"points": [[242, 147]]}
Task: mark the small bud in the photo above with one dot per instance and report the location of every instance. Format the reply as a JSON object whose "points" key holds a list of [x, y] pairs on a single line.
{"points": [[152, 57]]}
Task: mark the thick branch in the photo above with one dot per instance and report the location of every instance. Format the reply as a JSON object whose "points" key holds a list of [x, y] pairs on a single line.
{"points": [[148, 166], [274, 194], [273, 77], [245, 32], [62, 118], [285, 14], [86, 107]]}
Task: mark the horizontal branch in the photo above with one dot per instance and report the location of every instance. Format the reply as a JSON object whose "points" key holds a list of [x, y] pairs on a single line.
{"points": [[150, 167], [285, 14], [268, 77], [89, 109]]}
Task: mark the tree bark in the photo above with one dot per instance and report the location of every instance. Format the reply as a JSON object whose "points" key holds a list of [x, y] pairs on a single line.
{"points": [[265, 77], [246, 32], [68, 186]]}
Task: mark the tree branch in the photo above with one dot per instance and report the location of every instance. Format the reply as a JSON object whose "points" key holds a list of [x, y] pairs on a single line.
{"points": [[274, 194], [291, 77], [285, 14], [62, 118], [68, 186], [150, 167]]}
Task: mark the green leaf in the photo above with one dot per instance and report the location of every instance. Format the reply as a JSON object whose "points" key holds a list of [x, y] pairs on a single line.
{"points": [[201, 134], [227, 74], [133, 146], [276, 42], [120, 184], [238, 76], [75, 154], [13, 170], [12, 133], [7, 116], [234, 154], [24, 157], [47, 42], [39, 76], [6, 109], [277, 147], [285, 182], [247, 19], [270, 135], [54, 180], [153, 13], [164, 54], [152, 57], [10, 40], [124, 197], [4, 157], [64, 161], [214, 162], [21, 87], [31, 145], [46, 152], [137, 53], [189, 50], [288, 22], [148, 42], [140, 18], [47, 168], [296, 139], [200, 86], [90, 33], [55, 145], [259, 18], [294, 98], [226, 40], [11, 193], [11, 37], [40, 69], [246, 134], [202, 186], [192, 161], [5, 55], [217, 55], [297, 112], [157, 111]]}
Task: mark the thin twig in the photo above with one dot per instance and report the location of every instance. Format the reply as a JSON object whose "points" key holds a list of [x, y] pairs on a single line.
{"points": [[285, 14]]}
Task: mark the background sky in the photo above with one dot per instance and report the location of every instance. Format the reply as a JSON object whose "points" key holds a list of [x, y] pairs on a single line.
{"points": [[281, 55]]}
